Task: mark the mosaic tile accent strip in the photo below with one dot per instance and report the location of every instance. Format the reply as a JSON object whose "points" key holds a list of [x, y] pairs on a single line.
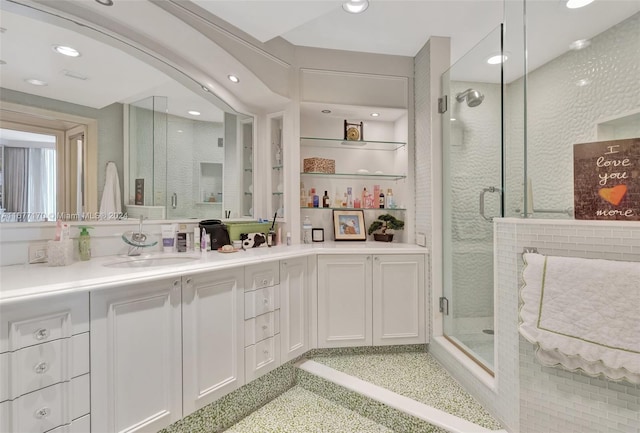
{"points": [[301, 411], [236, 405], [417, 376], [399, 422]]}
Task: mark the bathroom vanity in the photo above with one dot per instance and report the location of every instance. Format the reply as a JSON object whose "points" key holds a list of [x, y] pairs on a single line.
{"points": [[166, 340]]}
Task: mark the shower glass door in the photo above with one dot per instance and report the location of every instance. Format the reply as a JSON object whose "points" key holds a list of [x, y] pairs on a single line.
{"points": [[472, 196]]}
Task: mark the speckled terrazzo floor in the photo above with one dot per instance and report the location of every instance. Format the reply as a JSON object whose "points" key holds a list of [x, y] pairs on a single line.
{"points": [[417, 376], [301, 411]]}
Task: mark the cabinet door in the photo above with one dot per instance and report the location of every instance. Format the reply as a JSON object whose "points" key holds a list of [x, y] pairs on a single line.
{"points": [[213, 336], [294, 326], [344, 300], [399, 299], [136, 368]]}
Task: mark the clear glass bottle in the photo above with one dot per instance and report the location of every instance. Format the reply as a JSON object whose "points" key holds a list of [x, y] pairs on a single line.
{"points": [[391, 204], [306, 230], [325, 200]]}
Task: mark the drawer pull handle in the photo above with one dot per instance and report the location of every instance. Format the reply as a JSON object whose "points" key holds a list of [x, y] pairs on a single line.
{"points": [[41, 367], [41, 334], [266, 352], [264, 327], [42, 413], [266, 301]]}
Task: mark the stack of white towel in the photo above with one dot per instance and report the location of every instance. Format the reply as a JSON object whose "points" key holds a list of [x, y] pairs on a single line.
{"points": [[583, 314]]}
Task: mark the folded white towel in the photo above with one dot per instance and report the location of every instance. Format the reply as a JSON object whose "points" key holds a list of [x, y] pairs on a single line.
{"points": [[583, 314]]}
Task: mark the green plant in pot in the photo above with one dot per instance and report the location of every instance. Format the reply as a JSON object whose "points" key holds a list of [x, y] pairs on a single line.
{"points": [[382, 228]]}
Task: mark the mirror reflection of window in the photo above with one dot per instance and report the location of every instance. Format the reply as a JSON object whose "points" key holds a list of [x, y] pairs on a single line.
{"points": [[26, 197]]}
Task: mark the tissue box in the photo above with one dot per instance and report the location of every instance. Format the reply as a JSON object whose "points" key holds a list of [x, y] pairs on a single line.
{"points": [[319, 165]]}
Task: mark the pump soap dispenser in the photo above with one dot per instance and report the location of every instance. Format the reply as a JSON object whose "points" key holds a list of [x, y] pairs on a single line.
{"points": [[85, 242]]}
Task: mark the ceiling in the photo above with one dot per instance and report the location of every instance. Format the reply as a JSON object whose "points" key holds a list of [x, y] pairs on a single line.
{"points": [[402, 27], [387, 27]]}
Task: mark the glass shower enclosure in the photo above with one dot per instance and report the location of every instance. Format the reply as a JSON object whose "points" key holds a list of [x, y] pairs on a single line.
{"points": [[473, 185]]}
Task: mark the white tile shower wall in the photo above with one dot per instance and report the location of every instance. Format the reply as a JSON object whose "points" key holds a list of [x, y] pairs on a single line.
{"points": [[554, 400], [561, 113]]}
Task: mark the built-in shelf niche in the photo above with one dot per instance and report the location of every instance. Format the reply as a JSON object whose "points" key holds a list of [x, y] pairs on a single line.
{"points": [[210, 183]]}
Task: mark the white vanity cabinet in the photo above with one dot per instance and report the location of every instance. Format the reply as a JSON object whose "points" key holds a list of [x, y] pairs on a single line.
{"points": [[344, 300], [294, 300], [262, 319], [368, 300], [44, 364], [212, 340], [136, 357]]}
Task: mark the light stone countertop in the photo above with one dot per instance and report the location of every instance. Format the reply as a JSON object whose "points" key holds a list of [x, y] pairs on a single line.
{"points": [[23, 282]]}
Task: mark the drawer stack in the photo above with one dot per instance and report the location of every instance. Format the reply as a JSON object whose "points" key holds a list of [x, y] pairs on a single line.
{"points": [[262, 319], [44, 366]]}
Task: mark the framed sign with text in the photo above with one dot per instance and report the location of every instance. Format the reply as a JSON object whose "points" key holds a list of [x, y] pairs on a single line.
{"points": [[606, 180]]}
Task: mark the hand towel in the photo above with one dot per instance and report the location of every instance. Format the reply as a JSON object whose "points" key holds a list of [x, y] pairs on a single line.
{"points": [[583, 314], [111, 203]]}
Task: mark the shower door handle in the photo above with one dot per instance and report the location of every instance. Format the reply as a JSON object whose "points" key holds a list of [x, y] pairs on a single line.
{"points": [[174, 200], [490, 189]]}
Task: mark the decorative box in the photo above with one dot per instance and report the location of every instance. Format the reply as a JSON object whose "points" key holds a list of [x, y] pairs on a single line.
{"points": [[319, 165]]}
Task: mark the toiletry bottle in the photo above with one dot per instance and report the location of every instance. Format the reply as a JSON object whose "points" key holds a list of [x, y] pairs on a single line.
{"points": [[288, 238], [381, 200], [312, 191], [316, 199], [349, 198], [390, 201], [325, 200], [84, 243], [203, 241], [303, 195], [306, 230], [364, 198]]}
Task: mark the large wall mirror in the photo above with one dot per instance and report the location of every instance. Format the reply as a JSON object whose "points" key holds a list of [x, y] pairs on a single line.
{"points": [[65, 118]]}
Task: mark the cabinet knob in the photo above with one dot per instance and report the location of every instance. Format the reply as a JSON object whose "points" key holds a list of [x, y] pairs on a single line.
{"points": [[266, 301], [189, 280], [41, 367], [176, 283], [266, 352], [264, 327], [265, 281], [42, 413], [41, 334], [376, 258], [368, 257]]}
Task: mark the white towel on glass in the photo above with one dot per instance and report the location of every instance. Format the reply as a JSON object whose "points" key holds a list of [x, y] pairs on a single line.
{"points": [[583, 314], [111, 203]]}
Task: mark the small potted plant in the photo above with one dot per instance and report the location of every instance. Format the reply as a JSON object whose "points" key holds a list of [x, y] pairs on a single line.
{"points": [[382, 228]]}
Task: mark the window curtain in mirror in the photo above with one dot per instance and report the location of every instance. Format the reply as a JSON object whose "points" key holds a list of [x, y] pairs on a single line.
{"points": [[30, 183], [16, 179]]}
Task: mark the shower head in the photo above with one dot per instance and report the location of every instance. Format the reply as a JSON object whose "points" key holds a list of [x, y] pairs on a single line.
{"points": [[473, 97]]}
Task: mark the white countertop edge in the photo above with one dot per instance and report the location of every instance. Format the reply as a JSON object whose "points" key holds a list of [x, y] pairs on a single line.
{"points": [[25, 281]]}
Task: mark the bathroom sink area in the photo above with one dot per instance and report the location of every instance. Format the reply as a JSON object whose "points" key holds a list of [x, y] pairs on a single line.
{"points": [[148, 262]]}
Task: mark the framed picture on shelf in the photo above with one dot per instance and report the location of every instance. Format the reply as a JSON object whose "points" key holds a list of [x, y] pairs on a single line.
{"points": [[348, 225]]}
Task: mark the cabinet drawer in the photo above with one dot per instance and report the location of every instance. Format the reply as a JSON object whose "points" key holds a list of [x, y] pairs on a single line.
{"points": [[34, 322], [47, 408], [261, 327], [46, 364], [80, 425], [261, 301], [262, 357], [261, 275]]}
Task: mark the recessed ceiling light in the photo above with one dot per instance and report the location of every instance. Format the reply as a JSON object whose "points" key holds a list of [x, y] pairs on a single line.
{"points": [[66, 51], [180, 130], [583, 82], [575, 4], [105, 2], [497, 59], [194, 112], [205, 88], [233, 79], [355, 6], [326, 111], [375, 114], [579, 44], [36, 82]]}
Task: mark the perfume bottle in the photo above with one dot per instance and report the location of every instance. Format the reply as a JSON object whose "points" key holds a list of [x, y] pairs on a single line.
{"points": [[349, 198], [325, 200]]}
